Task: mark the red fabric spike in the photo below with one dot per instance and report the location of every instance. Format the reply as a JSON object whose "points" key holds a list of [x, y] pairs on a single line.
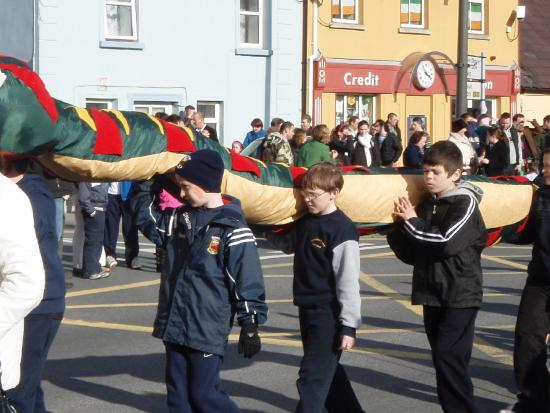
{"points": [[522, 226], [108, 139], [367, 230], [349, 168], [33, 82], [177, 140], [297, 173], [243, 164], [492, 237], [515, 178]]}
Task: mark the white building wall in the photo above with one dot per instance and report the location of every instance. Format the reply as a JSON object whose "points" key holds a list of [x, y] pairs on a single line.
{"points": [[186, 52]]}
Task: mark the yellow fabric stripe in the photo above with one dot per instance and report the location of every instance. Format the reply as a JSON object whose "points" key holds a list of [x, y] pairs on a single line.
{"points": [[118, 114], [85, 117], [157, 122], [189, 132]]}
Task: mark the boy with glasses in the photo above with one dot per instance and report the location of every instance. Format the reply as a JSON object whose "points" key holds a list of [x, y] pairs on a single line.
{"points": [[326, 291]]}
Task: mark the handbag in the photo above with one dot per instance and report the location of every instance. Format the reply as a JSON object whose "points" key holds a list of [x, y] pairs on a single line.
{"points": [[5, 403]]}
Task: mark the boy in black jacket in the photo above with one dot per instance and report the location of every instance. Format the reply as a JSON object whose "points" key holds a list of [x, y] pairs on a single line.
{"points": [[326, 291], [211, 273], [443, 238], [533, 322]]}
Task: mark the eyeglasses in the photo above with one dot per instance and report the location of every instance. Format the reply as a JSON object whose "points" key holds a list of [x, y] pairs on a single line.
{"points": [[311, 196]]}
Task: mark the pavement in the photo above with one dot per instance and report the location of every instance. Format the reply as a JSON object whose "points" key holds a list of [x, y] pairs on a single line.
{"points": [[105, 359]]}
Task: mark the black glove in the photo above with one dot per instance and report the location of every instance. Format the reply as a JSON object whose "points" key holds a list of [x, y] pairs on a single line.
{"points": [[249, 340]]}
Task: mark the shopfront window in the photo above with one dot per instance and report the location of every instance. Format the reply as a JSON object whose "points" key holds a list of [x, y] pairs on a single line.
{"points": [[345, 11], [412, 13], [355, 105]]}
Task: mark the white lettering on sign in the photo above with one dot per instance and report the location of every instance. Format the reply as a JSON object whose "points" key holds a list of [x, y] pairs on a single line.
{"points": [[369, 80], [489, 85]]}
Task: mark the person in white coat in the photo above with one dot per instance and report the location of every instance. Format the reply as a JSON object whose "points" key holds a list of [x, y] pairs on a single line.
{"points": [[21, 276]]}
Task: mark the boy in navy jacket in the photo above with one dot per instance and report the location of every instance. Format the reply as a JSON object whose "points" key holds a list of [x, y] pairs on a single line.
{"points": [[533, 322], [326, 291], [211, 273], [443, 238]]}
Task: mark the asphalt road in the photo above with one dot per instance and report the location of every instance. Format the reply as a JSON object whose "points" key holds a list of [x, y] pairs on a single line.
{"points": [[105, 359]]}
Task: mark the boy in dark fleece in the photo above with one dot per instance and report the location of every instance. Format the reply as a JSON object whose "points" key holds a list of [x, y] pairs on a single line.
{"points": [[211, 273], [443, 238], [326, 291]]}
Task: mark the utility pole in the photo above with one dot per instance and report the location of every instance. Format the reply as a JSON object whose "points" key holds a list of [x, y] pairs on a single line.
{"points": [[462, 63]]}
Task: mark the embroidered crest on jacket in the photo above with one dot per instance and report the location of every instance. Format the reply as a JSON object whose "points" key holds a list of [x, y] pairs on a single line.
{"points": [[214, 246]]}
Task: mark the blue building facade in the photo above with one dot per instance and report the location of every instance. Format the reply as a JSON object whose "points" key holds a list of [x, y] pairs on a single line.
{"points": [[234, 60]]}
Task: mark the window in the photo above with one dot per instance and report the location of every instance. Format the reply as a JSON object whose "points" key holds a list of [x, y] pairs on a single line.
{"points": [[476, 16], [120, 19], [354, 105], [251, 16], [153, 107], [412, 13], [345, 11], [212, 114], [100, 104]]}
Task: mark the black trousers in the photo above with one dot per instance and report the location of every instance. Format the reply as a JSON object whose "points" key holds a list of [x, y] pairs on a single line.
{"points": [[322, 382], [450, 332], [193, 382], [40, 330], [530, 350], [93, 240], [117, 208]]}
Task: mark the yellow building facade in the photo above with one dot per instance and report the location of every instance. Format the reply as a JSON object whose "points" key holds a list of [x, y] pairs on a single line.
{"points": [[373, 57]]}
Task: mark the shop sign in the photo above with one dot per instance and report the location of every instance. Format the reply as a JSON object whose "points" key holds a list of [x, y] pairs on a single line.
{"points": [[322, 72], [370, 79]]}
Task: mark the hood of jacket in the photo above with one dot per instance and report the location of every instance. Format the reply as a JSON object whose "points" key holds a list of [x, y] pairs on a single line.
{"points": [[465, 188]]}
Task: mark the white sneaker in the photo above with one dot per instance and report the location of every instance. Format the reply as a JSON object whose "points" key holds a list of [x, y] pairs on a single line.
{"points": [[111, 262], [508, 409]]}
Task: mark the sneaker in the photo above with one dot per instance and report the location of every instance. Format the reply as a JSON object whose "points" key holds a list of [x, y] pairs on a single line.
{"points": [[510, 409], [111, 262], [97, 276], [135, 264]]}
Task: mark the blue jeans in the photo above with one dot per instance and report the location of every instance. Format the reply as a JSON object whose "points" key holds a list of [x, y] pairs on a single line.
{"points": [[59, 216], [40, 330], [193, 381]]}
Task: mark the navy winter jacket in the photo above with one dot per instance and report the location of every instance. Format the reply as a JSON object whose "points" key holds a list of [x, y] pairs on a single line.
{"points": [[43, 209], [211, 273], [92, 197]]}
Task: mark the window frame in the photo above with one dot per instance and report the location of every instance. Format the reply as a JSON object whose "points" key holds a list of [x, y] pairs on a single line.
{"points": [[482, 3], [111, 103], [217, 121], [409, 25], [341, 19], [150, 104], [133, 7], [260, 14]]}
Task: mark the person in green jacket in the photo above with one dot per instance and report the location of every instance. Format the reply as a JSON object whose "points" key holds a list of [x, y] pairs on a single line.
{"points": [[317, 149]]}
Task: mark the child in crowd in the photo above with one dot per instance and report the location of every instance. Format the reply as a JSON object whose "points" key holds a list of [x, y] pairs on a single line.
{"points": [[212, 273], [326, 291], [443, 238]]}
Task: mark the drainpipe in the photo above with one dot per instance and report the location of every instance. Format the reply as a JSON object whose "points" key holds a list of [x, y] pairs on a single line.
{"points": [[312, 57]]}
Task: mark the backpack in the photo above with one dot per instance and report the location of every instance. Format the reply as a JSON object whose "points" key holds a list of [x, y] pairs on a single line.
{"points": [[269, 149]]}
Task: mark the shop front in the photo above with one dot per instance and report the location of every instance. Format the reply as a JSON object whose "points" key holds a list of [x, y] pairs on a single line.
{"points": [[423, 87]]}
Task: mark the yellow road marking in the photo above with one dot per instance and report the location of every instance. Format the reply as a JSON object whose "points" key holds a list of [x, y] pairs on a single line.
{"points": [[511, 256], [108, 326], [113, 288], [479, 343], [503, 261], [115, 305], [519, 247]]}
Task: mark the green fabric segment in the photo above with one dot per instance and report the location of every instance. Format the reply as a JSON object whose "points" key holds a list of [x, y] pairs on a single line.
{"points": [[25, 127]]}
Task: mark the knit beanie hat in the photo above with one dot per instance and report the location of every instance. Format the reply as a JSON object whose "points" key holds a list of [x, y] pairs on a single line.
{"points": [[204, 168]]}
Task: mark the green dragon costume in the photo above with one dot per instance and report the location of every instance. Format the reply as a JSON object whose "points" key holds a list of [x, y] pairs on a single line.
{"points": [[78, 144]]}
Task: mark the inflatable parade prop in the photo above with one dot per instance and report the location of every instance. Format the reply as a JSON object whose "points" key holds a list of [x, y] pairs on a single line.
{"points": [[80, 144]]}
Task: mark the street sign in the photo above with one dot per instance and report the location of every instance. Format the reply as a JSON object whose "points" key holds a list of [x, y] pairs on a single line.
{"points": [[473, 90], [476, 68]]}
